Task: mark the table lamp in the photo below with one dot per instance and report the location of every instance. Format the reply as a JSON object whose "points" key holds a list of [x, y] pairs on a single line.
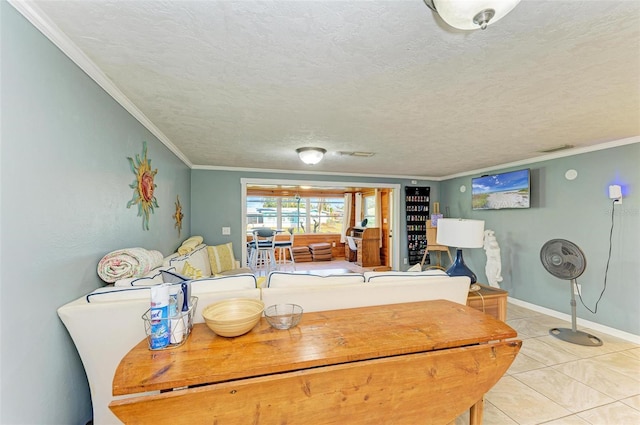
{"points": [[460, 233]]}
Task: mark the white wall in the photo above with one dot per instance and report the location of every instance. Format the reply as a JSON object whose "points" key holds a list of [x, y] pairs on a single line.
{"points": [[64, 190]]}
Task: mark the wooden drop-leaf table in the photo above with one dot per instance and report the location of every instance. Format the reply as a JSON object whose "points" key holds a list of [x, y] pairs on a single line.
{"points": [[414, 363]]}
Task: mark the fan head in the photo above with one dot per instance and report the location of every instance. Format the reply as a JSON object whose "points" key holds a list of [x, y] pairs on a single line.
{"points": [[563, 259]]}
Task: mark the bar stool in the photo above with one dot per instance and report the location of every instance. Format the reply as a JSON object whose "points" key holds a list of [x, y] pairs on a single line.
{"points": [[263, 251], [282, 246]]}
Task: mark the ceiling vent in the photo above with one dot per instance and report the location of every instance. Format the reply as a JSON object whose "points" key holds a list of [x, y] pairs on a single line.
{"points": [[557, 148], [360, 154]]}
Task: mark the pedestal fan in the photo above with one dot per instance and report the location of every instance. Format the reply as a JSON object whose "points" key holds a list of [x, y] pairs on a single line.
{"points": [[565, 260]]}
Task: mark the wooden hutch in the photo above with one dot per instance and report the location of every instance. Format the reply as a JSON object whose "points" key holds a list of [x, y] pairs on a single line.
{"points": [[367, 240]]}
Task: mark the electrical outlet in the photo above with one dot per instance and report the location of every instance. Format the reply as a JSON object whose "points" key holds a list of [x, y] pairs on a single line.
{"points": [[226, 231], [405, 261], [577, 289]]}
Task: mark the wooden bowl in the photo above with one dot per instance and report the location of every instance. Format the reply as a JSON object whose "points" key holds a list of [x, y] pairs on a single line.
{"points": [[233, 317]]}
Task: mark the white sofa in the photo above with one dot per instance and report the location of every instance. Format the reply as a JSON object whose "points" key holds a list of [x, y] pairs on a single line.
{"points": [[107, 323], [198, 259]]}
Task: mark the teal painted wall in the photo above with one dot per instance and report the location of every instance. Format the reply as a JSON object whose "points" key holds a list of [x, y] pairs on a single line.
{"points": [[65, 183], [64, 189], [217, 202], [579, 211]]}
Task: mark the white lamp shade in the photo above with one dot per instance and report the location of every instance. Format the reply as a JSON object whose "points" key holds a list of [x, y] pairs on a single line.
{"points": [[311, 156], [460, 233], [460, 13]]}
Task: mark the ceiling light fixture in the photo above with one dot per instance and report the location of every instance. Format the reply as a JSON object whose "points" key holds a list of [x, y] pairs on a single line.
{"points": [[471, 14], [311, 156]]}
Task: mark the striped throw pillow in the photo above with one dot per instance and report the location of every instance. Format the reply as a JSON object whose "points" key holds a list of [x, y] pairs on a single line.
{"points": [[221, 258]]}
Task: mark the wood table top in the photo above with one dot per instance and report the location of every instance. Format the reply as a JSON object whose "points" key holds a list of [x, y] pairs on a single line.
{"points": [[320, 339]]}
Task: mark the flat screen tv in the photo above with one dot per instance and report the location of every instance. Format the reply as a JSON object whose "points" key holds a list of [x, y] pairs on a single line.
{"points": [[504, 190]]}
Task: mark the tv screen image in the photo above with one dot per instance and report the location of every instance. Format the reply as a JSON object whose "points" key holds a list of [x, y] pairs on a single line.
{"points": [[498, 191]]}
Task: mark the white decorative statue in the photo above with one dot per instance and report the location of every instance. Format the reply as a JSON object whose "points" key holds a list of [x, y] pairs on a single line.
{"points": [[493, 269]]}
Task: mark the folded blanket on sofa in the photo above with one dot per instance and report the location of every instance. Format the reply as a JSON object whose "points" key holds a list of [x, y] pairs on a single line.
{"points": [[128, 262], [190, 244]]}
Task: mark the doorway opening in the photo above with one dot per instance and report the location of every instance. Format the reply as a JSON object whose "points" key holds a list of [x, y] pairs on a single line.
{"points": [[319, 212]]}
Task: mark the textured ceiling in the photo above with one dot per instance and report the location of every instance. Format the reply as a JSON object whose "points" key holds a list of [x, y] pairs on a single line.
{"points": [[245, 83]]}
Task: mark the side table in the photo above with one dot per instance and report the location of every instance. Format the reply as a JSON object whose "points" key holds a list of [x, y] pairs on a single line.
{"points": [[490, 300]]}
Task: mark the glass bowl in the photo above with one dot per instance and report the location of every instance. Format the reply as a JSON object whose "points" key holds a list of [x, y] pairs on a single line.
{"points": [[283, 316]]}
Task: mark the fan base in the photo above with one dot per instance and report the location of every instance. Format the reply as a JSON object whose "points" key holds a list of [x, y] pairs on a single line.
{"points": [[576, 337]]}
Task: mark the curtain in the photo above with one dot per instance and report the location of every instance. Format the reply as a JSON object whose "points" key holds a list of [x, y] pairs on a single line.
{"points": [[348, 202], [379, 213], [358, 207]]}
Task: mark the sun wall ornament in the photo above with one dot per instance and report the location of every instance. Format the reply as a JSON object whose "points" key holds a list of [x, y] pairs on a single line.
{"points": [[143, 186], [178, 215]]}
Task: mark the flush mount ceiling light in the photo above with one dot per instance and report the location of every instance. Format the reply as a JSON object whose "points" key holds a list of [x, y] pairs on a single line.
{"points": [[471, 14], [311, 156]]}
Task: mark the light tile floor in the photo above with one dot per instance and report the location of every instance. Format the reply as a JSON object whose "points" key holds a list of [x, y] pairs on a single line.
{"points": [[558, 383], [552, 381]]}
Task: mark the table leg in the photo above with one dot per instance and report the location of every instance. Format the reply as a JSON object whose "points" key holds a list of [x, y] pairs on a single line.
{"points": [[475, 413]]}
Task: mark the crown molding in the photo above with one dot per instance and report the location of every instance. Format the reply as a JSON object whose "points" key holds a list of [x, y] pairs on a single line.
{"points": [[41, 21], [556, 155], [541, 158], [310, 172]]}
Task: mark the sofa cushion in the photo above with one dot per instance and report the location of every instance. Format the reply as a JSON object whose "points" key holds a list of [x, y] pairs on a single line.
{"points": [[198, 258], [111, 294], [400, 276], [237, 270], [297, 280], [221, 258], [154, 277], [223, 283], [321, 298], [198, 286]]}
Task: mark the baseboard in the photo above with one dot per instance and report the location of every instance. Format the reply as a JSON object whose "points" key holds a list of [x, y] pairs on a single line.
{"points": [[581, 322]]}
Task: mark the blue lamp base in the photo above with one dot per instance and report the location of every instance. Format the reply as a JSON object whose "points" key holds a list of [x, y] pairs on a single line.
{"points": [[459, 268]]}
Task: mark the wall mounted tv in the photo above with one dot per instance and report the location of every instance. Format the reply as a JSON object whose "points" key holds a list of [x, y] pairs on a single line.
{"points": [[504, 190]]}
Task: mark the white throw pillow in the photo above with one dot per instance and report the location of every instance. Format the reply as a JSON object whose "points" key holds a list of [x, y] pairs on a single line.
{"points": [[198, 258]]}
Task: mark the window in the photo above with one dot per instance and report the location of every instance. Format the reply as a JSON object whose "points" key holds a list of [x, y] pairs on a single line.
{"points": [[296, 214], [370, 210]]}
